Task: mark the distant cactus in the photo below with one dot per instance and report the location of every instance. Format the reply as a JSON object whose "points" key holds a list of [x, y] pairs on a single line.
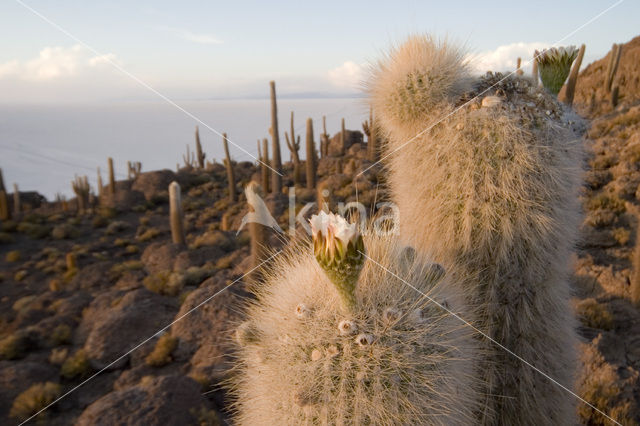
{"points": [[518, 64], [343, 136], [570, 89], [17, 207], [264, 166], [189, 158], [81, 188], [612, 66], [534, 69], [5, 213], [276, 185], [614, 96], [175, 214], [324, 139], [231, 177], [310, 161], [99, 184], [112, 178], [294, 147], [368, 127], [554, 64], [133, 169], [491, 193], [395, 357], [200, 155]]}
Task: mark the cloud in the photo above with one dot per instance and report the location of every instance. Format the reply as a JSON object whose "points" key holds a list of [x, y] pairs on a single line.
{"points": [[504, 57], [53, 63], [348, 75]]}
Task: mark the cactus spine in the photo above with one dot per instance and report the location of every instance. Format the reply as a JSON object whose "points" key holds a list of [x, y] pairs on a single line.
{"points": [[264, 166], [294, 147], [112, 178], [311, 156], [176, 216], [276, 176], [492, 194], [570, 89], [396, 358], [231, 178], [199, 153]]}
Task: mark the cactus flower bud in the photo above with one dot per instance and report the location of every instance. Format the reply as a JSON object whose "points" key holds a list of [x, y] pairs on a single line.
{"points": [[338, 247], [554, 65]]}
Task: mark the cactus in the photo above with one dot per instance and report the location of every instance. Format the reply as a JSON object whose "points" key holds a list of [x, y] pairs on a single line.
{"points": [[5, 213], [368, 128], [573, 77], [555, 64], [343, 135], [276, 176], [17, 208], [534, 69], [294, 147], [231, 178], [189, 158], [491, 192], [614, 96], [264, 165], [99, 184], [81, 188], [518, 64], [324, 139], [112, 178], [396, 357], [200, 155], [612, 66], [175, 214], [310, 161], [133, 169], [635, 275]]}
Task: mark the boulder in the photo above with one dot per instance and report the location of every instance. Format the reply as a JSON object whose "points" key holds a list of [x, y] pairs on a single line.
{"points": [[351, 137], [16, 377], [124, 324], [162, 401], [152, 183]]}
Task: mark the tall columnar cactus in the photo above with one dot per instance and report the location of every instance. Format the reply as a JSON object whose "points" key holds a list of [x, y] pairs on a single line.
{"points": [[294, 147], [390, 355], [199, 152], [112, 178], [491, 192], [5, 213], [534, 68], [324, 139], [343, 137], [264, 166], [573, 77], [176, 216], [369, 129], [99, 184], [554, 64], [276, 175], [310, 161], [81, 188], [518, 64], [612, 66], [17, 207], [231, 177]]}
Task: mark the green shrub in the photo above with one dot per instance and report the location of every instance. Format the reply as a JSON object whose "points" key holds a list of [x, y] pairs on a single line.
{"points": [[35, 399], [594, 314], [14, 346], [161, 354], [61, 335], [76, 366], [609, 202], [13, 256], [34, 230], [119, 269], [148, 234]]}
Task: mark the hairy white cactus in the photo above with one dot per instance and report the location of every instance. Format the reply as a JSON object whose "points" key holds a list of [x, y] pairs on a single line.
{"points": [[395, 356], [491, 193]]}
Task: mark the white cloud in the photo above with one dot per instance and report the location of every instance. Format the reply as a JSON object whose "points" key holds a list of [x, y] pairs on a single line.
{"points": [[53, 63], [348, 75], [504, 57]]}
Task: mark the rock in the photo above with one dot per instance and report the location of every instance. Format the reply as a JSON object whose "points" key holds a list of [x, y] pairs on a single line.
{"points": [[92, 277], [351, 137], [124, 324], [160, 256], [198, 257], [162, 401], [152, 183], [204, 334]]}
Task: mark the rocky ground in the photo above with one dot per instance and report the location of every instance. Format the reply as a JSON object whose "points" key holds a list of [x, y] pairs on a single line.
{"points": [[79, 291]]}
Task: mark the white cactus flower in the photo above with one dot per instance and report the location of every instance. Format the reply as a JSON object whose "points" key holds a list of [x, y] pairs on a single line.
{"points": [[347, 327], [364, 339]]}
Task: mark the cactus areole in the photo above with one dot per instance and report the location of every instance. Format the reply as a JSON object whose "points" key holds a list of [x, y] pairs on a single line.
{"points": [[339, 249]]}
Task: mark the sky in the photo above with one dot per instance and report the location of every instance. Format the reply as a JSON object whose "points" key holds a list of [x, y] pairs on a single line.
{"points": [[88, 51]]}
